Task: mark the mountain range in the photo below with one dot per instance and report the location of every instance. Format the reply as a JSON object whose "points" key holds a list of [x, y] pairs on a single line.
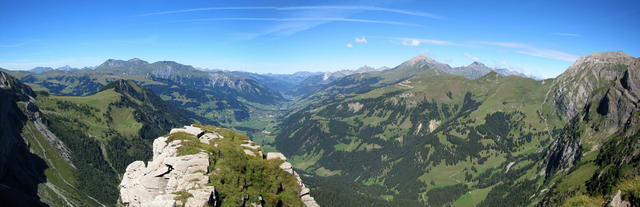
{"points": [[427, 137], [422, 133]]}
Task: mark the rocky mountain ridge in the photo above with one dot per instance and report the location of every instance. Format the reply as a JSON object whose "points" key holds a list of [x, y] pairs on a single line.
{"points": [[587, 74], [451, 137], [172, 178], [216, 96], [321, 80], [472, 71], [23, 128], [602, 113]]}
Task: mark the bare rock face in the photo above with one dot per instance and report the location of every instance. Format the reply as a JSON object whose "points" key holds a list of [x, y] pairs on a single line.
{"points": [[275, 155], [158, 183], [601, 92], [195, 131], [573, 87], [616, 201], [205, 138], [355, 107], [167, 176]]}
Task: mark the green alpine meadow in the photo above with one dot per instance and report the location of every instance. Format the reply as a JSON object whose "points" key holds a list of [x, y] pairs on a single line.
{"points": [[323, 103]]}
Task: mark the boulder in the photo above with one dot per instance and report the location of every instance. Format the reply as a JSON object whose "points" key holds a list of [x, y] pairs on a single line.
{"points": [[616, 201], [206, 138], [286, 166], [195, 131], [309, 201], [276, 155], [249, 152], [202, 196], [254, 147]]}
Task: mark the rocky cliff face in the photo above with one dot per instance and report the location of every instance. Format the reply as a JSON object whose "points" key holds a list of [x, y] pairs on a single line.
{"points": [[21, 170], [172, 178], [573, 88], [599, 97]]}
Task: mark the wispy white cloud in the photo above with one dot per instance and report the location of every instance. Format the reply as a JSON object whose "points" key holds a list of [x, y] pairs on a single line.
{"points": [[357, 8], [362, 40], [300, 18], [566, 34], [303, 19], [17, 44], [526, 49], [209, 9], [516, 47], [290, 26], [365, 8], [349, 45], [471, 57], [417, 41]]}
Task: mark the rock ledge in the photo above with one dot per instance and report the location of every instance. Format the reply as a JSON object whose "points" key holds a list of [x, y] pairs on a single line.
{"points": [[163, 180]]}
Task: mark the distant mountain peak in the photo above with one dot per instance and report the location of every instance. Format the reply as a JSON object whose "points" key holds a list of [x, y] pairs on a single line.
{"points": [[616, 57], [507, 72], [167, 62], [612, 54], [114, 63], [422, 58], [137, 61], [65, 68], [40, 69], [422, 61], [122, 63], [365, 67], [476, 63]]}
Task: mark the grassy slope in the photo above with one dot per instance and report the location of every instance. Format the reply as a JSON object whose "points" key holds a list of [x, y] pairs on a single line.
{"points": [[110, 123], [59, 174], [496, 94], [86, 82], [98, 105]]}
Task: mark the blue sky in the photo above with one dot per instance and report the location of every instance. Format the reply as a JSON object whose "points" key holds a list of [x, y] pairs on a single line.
{"points": [[538, 37]]}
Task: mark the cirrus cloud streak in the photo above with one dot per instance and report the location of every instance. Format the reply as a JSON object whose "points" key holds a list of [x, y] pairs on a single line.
{"points": [[356, 8], [520, 48], [302, 19]]}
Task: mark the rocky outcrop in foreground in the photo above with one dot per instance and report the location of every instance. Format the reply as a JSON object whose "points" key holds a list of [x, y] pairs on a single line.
{"points": [[170, 179]]}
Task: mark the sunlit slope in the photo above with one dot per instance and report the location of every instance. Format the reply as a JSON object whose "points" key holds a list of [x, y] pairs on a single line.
{"points": [[430, 134], [107, 130]]}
